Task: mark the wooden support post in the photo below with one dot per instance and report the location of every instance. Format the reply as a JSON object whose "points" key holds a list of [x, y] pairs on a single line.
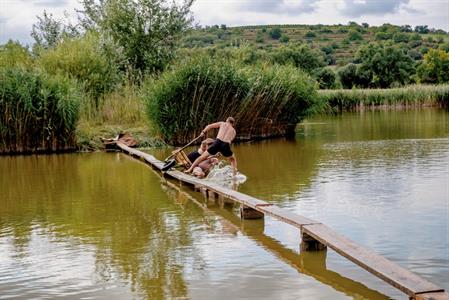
{"points": [[204, 192], [224, 202], [250, 213], [211, 195], [308, 243]]}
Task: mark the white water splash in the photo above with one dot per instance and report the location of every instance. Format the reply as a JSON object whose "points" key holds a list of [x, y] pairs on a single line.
{"points": [[223, 175]]}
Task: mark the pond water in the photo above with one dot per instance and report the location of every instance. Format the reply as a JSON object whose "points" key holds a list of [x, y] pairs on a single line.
{"points": [[105, 226]]}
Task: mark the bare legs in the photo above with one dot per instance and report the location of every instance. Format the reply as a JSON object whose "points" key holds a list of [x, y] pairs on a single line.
{"points": [[197, 161], [205, 155], [233, 162]]}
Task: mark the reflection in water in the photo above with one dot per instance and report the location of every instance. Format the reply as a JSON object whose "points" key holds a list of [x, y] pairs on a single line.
{"points": [[308, 263], [100, 225], [98, 208]]}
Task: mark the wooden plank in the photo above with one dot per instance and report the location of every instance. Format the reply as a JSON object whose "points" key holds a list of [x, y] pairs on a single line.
{"points": [[404, 280], [433, 296], [286, 216]]}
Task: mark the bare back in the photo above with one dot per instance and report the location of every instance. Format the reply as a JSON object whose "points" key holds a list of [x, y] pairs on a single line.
{"points": [[226, 133]]}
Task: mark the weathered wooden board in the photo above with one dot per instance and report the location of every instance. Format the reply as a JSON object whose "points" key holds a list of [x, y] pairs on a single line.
{"points": [[433, 296], [404, 280]]}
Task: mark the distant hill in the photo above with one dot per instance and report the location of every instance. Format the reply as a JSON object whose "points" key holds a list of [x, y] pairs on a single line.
{"points": [[338, 42]]}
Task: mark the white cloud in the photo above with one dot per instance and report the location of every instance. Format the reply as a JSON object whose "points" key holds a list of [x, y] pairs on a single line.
{"points": [[279, 6], [357, 8], [18, 16]]}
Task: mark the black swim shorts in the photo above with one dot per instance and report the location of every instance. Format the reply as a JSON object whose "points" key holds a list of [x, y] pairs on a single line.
{"points": [[220, 146]]}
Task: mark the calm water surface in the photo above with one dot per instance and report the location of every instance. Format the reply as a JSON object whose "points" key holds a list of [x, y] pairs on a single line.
{"points": [[104, 226]]}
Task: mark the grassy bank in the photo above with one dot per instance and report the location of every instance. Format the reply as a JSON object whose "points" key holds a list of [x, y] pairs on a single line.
{"points": [[410, 96], [121, 111]]}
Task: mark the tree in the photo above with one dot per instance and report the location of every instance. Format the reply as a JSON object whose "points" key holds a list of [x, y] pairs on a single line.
{"points": [[284, 39], [259, 37], [400, 37], [302, 57], [146, 31], [406, 28], [326, 78], [424, 29], [435, 67], [348, 76], [354, 35], [310, 34], [382, 36], [275, 33], [48, 32], [385, 65]]}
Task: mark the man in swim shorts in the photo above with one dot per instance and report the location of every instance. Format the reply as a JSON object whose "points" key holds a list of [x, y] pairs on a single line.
{"points": [[222, 144]]}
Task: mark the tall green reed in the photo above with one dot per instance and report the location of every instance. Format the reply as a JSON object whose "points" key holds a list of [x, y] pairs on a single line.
{"points": [[265, 101], [38, 113], [410, 96]]}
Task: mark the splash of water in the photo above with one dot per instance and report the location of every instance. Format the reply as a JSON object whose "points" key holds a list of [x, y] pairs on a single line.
{"points": [[223, 175]]}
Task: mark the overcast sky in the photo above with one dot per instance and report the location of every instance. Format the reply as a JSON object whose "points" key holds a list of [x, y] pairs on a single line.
{"points": [[17, 16]]}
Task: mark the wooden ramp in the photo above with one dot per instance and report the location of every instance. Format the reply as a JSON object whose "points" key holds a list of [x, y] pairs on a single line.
{"points": [[315, 235]]}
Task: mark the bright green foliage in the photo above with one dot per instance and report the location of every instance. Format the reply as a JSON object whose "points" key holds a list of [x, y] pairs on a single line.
{"points": [[146, 31], [385, 65], [13, 54], [82, 59], [37, 112], [264, 100], [300, 56], [435, 67]]}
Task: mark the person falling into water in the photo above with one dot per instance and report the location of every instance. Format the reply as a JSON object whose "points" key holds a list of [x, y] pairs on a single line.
{"points": [[222, 144]]}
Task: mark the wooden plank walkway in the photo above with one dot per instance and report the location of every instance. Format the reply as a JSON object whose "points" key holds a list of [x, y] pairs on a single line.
{"points": [[409, 283]]}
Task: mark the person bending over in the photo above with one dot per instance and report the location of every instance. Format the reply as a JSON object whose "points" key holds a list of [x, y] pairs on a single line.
{"points": [[222, 144]]}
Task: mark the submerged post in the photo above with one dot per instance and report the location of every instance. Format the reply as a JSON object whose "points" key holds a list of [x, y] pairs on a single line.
{"points": [[308, 243], [247, 212]]}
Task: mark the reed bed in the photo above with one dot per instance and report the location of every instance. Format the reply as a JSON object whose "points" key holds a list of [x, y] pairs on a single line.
{"points": [[38, 113], [410, 96], [265, 101]]}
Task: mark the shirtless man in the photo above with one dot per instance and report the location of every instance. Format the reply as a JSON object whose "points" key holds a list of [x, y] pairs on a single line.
{"points": [[222, 144]]}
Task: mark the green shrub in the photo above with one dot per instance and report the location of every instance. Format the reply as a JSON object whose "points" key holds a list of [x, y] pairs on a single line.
{"points": [[38, 112], [284, 39], [435, 67], [301, 56], [13, 54], [326, 78], [264, 100], [354, 35], [400, 37], [382, 36], [310, 34], [275, 33], [83, 59]]}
